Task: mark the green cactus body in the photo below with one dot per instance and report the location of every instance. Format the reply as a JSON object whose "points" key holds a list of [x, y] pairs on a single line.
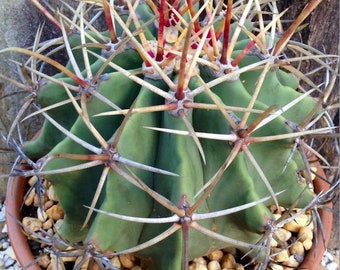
{"points": [[125, 198], [240, 183], [87, 179]]}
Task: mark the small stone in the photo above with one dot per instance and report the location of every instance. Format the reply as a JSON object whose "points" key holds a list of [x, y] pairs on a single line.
{"points": [[127, 260], [215, 255], [32, 180], [47, 224], [281, 256], [304, 234], [115, 262], [8, 261], [51, 194], [283, 235], [292, 262], [297, 249], [44, 261], [55, 212], [48, 204], [136, 267], [214, 265], [332, 266], [10, 253], [33, 224], [238, 266], [41, 215], [307, 244], [84, 266], [4, 229], [329, 256], [5, 245], [30, 197], [228, 261], [201, 267], [200, 260]]}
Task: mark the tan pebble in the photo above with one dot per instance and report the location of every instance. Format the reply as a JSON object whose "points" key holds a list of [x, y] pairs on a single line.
{"points": [[274, 266], [32, 180], [115, 262], [277, 216], [228, 261], [215, 255], [238, 266], [68, 259], [313, 171], [273, 242], [127, 260], [30, 198], [53, 265], [85, 264], [281, 256], [304, 234], [55, 212], [297, 249], [36, 201], [44, 260], [201, 267], [283, 235], [51, 194], [214, 265], [310, 224], [94, 267], [41, 215], [307, 244], [281, 209], [200, 260], [48, 204], [192, 266], [301, 221], [32, 223], [136, 267], [292, 226], [292, 262], [47, 224]]}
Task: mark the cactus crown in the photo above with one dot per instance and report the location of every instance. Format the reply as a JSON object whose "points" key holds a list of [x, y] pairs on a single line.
{"points": [[181, 116]]}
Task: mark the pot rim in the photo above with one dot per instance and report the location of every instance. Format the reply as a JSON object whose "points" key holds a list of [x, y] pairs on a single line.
{"points": [[17, 186]]}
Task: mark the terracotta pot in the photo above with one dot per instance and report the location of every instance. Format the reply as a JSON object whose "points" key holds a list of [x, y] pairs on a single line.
{"points": [[313, 259], [16, 190], [17, 187]]}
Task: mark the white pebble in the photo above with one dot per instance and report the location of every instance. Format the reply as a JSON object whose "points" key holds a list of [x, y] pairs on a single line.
{"points": [[5, 245], [8, 261], [2, 263], [329, 257], [4, 229], [10, 253], [332, 266], [2, 214]]}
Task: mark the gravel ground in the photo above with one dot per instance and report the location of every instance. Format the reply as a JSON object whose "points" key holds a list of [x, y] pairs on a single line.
{"points": [[8, 259]]}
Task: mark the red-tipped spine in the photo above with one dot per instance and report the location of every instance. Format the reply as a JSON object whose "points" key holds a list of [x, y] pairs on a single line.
{"points": [[109, 22], [227, 20], [236, 61], [182, 68], [161, 39]]}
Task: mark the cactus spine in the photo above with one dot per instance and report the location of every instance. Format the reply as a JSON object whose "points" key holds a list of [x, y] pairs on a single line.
{"points": [[140, 132]]}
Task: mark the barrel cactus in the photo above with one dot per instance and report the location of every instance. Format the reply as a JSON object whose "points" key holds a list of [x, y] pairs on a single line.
{"points": [[171, 133]]}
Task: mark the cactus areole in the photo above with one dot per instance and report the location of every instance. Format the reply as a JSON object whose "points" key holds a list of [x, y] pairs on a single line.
{"points": [[173, 132]]}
